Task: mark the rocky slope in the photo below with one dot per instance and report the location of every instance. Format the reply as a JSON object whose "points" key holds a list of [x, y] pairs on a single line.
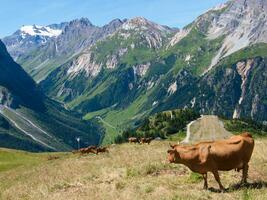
{"points": [[31, 121], [243, 23]]}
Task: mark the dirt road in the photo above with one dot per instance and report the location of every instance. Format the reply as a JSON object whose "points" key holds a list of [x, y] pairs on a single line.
{"points": [[208, 127]]}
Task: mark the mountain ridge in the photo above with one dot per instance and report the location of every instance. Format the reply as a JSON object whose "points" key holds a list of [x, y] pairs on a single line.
{"points": [[38, 58]]}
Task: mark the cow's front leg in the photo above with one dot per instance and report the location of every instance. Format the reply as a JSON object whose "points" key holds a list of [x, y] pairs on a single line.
{"points": [[244, 174], [205, 177], [217, 178]]}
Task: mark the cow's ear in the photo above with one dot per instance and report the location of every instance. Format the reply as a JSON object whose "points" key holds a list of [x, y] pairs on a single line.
{"points": [[172, 145], [170, 151]]}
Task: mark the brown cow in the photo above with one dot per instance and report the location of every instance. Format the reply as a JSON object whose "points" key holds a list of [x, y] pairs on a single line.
{"points": [[133, 140], [146, 140], [221, 155], [102, 150], [53, 157], [90, 149]]}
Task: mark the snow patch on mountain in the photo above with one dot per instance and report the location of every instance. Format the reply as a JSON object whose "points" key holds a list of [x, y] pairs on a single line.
{"points": [[35, 30]]}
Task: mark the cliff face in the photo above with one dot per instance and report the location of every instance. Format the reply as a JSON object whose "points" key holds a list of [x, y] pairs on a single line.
{"points": [[252, 101], [237, 91]]}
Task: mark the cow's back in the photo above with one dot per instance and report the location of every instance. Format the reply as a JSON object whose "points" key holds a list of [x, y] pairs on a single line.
{"points": [[231, 153]]}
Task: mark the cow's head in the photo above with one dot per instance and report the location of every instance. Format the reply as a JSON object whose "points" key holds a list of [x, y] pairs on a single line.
{"points": [[173, 156], [174, 145]]}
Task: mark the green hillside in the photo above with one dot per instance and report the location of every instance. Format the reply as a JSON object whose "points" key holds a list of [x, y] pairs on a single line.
{"points": [[56, 128]]}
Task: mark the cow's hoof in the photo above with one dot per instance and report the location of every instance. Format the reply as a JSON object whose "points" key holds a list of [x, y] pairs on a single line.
{"points": [[243, 183], [222, 190]]}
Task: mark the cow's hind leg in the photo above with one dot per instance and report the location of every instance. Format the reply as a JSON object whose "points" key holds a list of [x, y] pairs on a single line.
{"points": [[205, 177], [244, 174], [217, 178]]}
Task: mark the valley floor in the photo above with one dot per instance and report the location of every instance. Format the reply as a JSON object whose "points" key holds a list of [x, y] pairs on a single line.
{"points": [[129, 171]]}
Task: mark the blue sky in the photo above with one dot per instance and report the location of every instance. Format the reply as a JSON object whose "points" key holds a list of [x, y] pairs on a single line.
{"points": [[175, 13]]}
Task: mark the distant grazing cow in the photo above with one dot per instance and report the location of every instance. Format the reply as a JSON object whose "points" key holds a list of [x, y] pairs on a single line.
{"points": [[102, 150], [82, 150], [90, 149], [146, 140], [133, 140], [52, 157], [221, 155]]}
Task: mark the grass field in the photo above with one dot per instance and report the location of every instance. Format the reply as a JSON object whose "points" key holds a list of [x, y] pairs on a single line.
{"points": [[129, 171]]}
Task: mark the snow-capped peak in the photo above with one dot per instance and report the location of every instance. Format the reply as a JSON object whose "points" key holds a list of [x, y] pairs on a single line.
{"points": [[34, 30]]}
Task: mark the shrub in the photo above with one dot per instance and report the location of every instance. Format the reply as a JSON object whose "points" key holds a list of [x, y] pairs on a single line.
{"points": [[162, 124]]}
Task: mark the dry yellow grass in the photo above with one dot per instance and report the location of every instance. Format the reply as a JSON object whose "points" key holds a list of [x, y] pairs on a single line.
{"points": [[128, 172]]}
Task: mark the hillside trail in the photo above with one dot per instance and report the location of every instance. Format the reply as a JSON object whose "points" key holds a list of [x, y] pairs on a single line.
{"points": [[207, 127]]}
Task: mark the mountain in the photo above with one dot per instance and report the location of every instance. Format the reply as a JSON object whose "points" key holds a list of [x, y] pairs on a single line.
{"points": [[234, 88], [243, 23], [31, 121], [230, 79], [28, 38], [216, 65], [104, 75], [136, 41], [13, 79], [41, 49]]}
